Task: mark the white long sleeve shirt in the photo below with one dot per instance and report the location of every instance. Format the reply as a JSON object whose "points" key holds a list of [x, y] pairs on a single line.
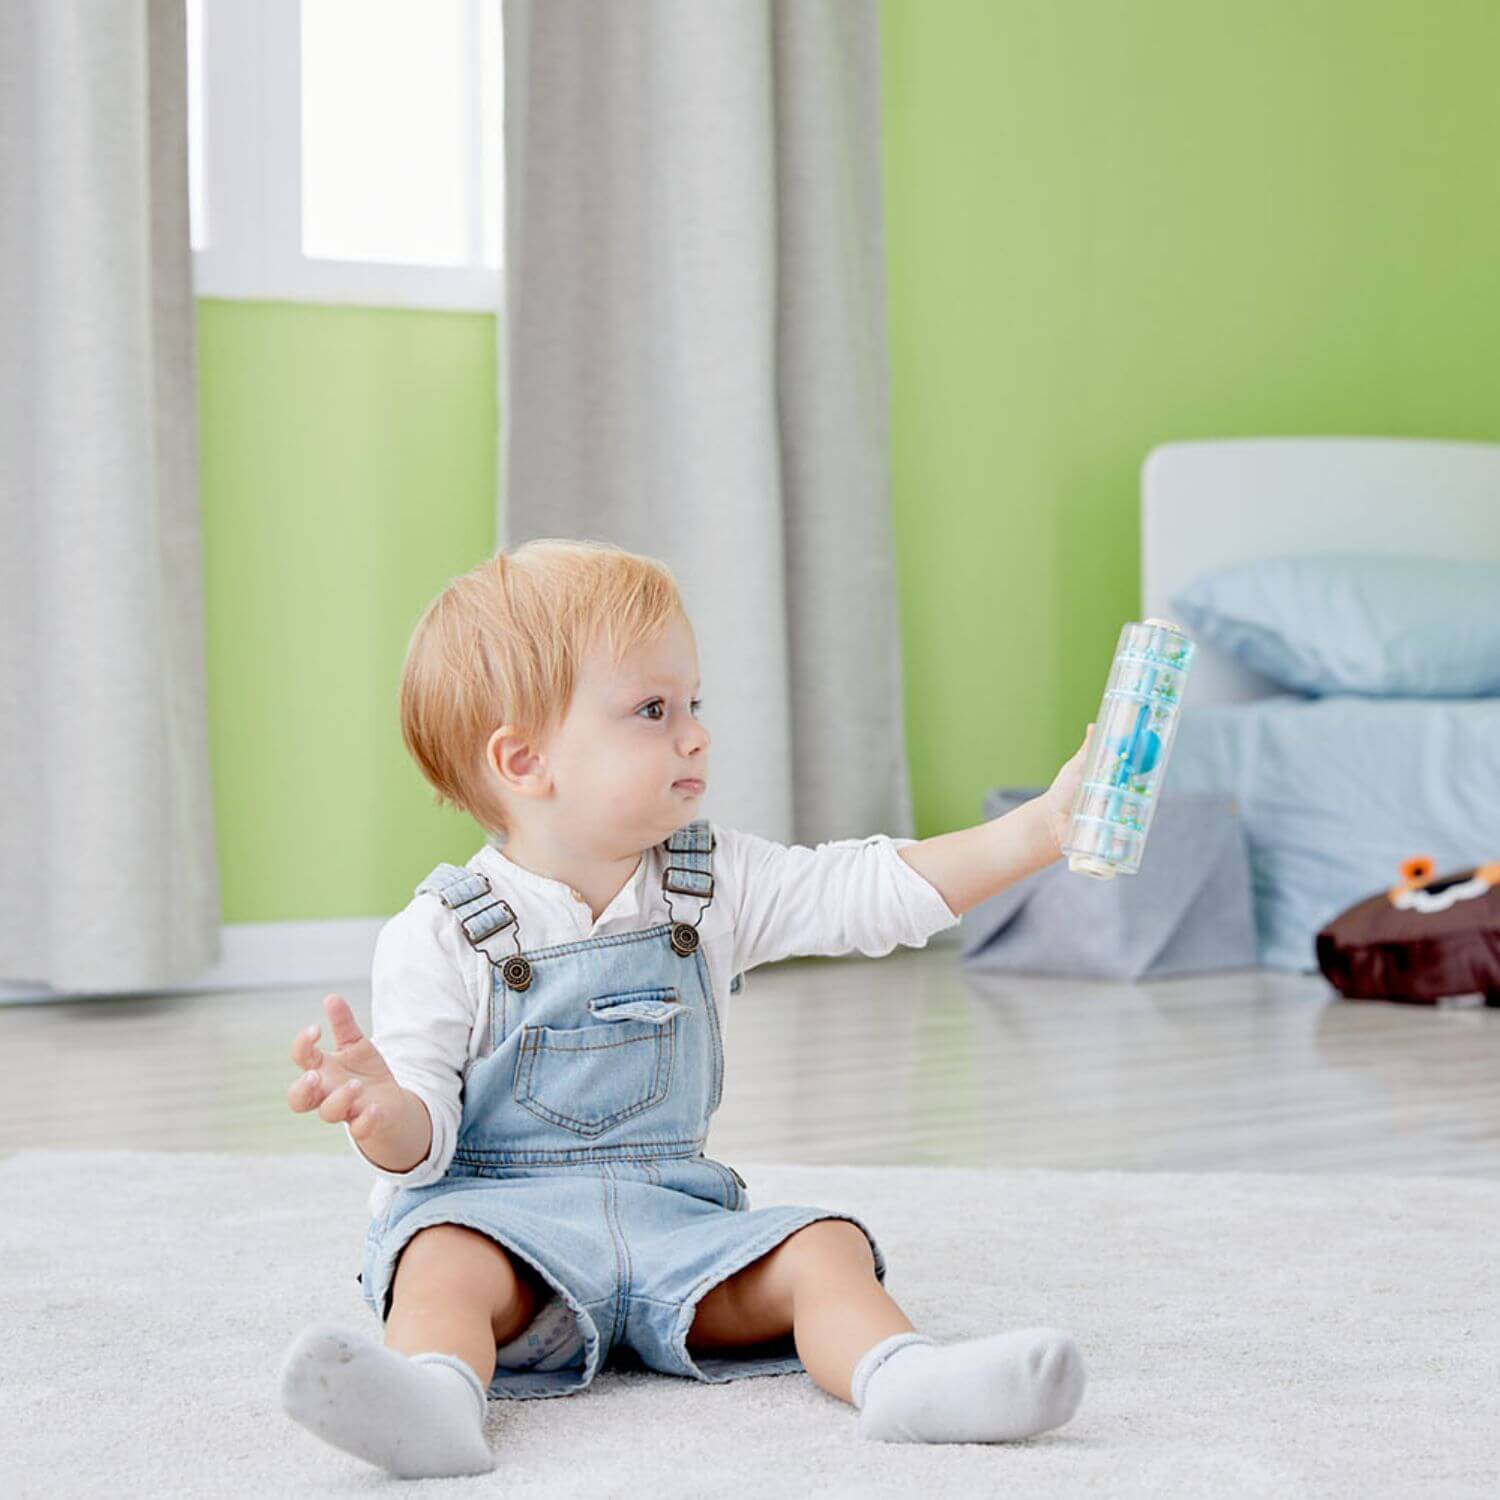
{"points": [[430, 987]]}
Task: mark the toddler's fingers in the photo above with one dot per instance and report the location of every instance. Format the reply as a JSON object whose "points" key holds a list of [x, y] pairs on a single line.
{"points": [[336, 1106], [362, 1116], [305, 1093], [345, 1028], [305, 1050]]}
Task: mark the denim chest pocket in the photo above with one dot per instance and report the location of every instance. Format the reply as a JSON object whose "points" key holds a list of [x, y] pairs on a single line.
{"points": [[589, 1078]]}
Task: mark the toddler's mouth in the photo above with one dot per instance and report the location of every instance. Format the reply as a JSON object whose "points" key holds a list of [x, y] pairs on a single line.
{"points": [[692, 785]]}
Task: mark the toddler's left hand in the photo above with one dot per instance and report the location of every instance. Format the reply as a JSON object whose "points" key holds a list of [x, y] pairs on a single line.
{"points": [[1055, 805]]}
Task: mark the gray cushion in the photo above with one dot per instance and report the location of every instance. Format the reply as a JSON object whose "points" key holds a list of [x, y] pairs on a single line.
{"points": [[1187, 910]]}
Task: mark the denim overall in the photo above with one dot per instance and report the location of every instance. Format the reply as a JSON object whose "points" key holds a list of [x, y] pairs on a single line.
{"points": [[580, 1146]]}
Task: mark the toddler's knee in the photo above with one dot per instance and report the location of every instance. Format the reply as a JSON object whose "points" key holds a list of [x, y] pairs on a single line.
{"points": [[833, 1242], [452, 1259]]}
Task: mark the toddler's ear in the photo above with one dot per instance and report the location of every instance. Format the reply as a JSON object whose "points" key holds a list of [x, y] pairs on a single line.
{"points": [[518, 765]]}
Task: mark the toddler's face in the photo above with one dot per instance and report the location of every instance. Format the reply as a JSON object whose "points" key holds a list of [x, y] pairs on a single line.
{"points": [[631, 733]]}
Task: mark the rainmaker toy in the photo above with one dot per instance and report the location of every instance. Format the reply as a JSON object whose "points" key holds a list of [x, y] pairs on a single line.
{"points": [[1128, 751]]}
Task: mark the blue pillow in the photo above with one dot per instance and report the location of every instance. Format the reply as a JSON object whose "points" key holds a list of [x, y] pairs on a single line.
{"points": [[1375, 624]]}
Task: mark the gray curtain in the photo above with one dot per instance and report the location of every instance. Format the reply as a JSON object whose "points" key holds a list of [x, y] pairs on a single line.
{"points": [[108, 879], [694, 366]]}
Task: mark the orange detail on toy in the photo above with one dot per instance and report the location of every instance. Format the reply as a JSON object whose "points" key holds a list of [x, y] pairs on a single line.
{"points": [[1414, 872]]}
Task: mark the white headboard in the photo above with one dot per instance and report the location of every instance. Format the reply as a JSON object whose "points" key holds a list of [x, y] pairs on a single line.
{"points": [[1207, 504]]}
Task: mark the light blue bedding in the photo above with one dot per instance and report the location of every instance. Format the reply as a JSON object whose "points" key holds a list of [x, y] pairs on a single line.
{"points": [[1376, 624], [1335, 792]]}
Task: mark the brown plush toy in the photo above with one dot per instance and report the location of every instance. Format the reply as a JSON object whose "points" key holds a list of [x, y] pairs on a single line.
{"points": [[1420, 940]]}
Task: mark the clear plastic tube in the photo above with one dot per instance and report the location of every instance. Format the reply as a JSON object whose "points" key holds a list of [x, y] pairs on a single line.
{"points": [[1128, 750]]}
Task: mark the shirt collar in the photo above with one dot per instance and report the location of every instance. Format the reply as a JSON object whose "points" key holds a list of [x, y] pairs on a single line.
{"points": [[627, 900]]}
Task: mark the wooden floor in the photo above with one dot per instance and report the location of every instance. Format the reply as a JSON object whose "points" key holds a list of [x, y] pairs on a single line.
{"points": [[903, 1059]]}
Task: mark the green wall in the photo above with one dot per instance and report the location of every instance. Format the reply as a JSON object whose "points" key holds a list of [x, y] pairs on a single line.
{"points": [[348, 461], [1109, 225]]}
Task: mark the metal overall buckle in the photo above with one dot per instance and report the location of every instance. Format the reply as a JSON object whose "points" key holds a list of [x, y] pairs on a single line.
{"points": [[693, 883], [515, 970]]}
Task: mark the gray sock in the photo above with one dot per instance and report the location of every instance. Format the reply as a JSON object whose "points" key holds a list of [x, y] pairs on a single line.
{"points": [[989, 1390], [419, 1416]]}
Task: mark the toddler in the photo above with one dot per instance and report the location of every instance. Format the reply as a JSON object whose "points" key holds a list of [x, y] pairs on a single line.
{"points": [[546, 1053]]}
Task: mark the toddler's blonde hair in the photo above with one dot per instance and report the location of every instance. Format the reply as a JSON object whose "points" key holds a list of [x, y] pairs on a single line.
{"points": [[503, 644]]}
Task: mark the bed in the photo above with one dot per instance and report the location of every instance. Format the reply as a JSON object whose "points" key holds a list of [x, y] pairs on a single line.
{"points": [[1334, 792]]}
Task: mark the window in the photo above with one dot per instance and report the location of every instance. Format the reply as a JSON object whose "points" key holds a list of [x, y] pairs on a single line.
{"points": [[346, 150]]}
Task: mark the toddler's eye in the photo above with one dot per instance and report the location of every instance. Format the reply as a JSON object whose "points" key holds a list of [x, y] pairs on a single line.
{"points": [[697, 703]]}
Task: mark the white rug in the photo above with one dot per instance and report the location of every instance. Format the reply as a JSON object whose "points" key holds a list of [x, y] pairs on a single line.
{"points": [[1246, 1335]]}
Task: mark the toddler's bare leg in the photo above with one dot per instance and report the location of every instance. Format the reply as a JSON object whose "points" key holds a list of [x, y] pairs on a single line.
{"points": [[839, 1308], [858, 1345], [819, 1285], [456, 1291]]}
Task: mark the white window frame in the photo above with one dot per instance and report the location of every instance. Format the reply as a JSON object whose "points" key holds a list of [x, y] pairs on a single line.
{"points": [[252, 177]]}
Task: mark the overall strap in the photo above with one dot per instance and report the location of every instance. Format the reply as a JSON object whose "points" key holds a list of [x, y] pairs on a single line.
{"points": [[689, 872], [482, 915]]}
